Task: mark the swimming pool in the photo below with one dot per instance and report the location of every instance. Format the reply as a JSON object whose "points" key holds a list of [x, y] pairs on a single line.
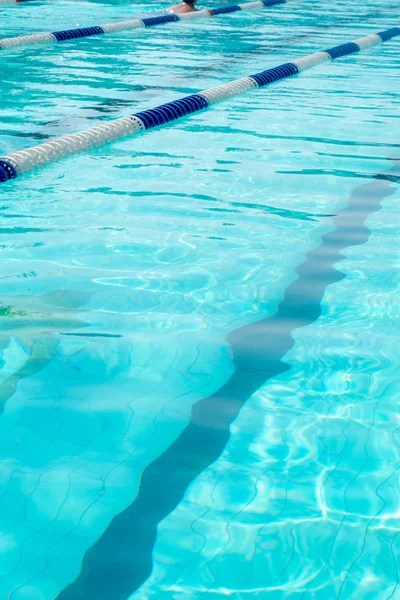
{"points": [[199, 372]]}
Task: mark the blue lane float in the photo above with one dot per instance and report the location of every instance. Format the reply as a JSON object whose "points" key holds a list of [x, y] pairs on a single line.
{"points": [[20, 162], [343, 50], [151, 21], [70, 34], [271, 75], [389, 34], [7, 171]]}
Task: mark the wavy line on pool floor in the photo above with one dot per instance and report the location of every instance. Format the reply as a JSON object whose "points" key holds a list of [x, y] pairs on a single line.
{"points": [[121, 560], [33, 39]]}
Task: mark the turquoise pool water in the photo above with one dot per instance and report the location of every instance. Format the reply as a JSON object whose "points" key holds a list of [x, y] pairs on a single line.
{"points": [[199, 326]]}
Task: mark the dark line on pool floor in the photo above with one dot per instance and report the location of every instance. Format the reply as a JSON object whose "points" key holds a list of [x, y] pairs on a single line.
{"points": [[121, 560]]}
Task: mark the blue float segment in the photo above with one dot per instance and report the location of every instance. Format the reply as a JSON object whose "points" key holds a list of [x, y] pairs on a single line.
{"points": [[343, 49], [172, 110], [7, 171], [272, 2], [159, 20], [271, 75], [223, 10], [71, 34], [3, 175], [389, 33]]}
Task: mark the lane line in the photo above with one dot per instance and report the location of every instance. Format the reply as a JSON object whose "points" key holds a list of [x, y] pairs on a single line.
{"points": [[23, 161], [83, 32]]}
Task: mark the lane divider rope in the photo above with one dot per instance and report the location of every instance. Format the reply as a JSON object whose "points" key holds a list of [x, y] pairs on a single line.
{"points": [[17, 163], [70, 34]]}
